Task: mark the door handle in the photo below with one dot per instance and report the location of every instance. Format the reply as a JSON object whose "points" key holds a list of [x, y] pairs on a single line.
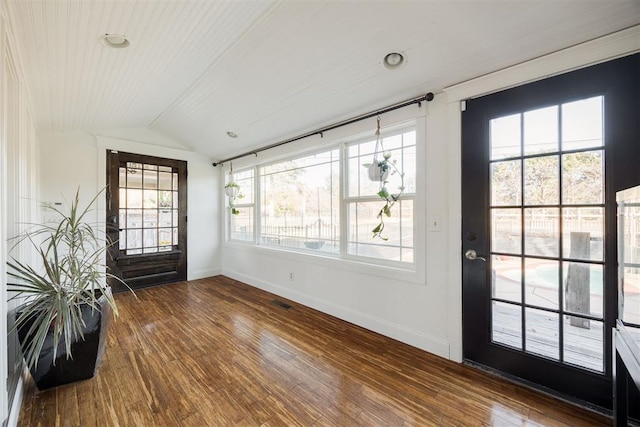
{"points": [[473, 255]]}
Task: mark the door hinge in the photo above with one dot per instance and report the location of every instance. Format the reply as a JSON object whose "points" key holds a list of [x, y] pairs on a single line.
{"points": [[463, 105]]}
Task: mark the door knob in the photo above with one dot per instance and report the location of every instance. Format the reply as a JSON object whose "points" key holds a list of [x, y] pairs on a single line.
{"points": [[472, 255]]}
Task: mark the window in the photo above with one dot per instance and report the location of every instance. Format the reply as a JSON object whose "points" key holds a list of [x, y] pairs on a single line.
{"points": [[547, 221], [324, 203], [299, 203], [363, 204], [242, 224], [148, 208]]}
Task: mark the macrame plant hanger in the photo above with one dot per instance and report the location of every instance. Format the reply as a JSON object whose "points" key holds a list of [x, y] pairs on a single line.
{"points": [[232, 190], [380, 171]]}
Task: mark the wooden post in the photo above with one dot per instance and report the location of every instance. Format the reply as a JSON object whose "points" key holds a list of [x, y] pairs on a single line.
{"points": [[577, 291]]}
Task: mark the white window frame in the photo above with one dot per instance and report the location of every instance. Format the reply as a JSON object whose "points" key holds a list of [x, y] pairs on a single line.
{"points": [[347, 200], [411, 272], [253, 206]]}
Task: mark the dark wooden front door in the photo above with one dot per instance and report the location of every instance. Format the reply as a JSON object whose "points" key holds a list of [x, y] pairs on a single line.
{"points": [[147, 215], [540, 167]]}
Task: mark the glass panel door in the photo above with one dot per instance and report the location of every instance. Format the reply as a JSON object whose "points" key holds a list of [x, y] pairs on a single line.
{"points": [[546, 184], [148, 210], [541, 164], [147, 215]]}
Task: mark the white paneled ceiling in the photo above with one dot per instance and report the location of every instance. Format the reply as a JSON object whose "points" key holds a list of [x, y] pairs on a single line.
{"points": [[269, 70]]}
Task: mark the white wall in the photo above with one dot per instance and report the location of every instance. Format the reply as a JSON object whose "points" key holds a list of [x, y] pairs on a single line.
{"points": [[79, 159], [425, 313], [401, 304], [18, 193]]}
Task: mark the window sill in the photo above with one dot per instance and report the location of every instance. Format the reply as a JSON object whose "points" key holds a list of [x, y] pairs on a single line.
{"points": [[411, 274]]}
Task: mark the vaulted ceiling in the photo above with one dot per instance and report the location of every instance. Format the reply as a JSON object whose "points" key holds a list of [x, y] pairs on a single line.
{"points": [[269, 70]]}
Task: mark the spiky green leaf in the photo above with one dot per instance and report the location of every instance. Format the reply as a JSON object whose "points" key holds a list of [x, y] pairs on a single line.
{"points": [[71, 253]]}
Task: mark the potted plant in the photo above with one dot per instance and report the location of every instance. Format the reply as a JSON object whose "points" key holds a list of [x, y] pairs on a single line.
{"points": [[66, 301], [379, 171], [232, 190]]}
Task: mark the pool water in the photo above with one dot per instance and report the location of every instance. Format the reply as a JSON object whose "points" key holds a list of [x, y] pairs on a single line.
{"points": [[547, 276]]}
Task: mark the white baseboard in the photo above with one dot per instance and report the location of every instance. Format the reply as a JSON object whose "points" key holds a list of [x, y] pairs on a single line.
{"points": [[201, 274], [401, 333], [14, 413]]}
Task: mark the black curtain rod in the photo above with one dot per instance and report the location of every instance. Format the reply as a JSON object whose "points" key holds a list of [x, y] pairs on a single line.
{"points": [[419, 100]]}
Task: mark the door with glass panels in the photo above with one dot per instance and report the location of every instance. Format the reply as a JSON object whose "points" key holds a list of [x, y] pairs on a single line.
{"points": [[541, 164], [146, 215]]}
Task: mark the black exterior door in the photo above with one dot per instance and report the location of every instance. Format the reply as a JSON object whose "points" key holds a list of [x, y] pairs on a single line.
{"points": [[147, 215], [540, 167]]}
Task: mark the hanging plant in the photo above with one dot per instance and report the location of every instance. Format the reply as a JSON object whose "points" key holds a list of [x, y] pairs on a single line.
{"points": [[232, 190], [379, 171]]}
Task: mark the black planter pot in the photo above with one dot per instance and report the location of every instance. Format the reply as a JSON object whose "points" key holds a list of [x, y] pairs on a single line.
{"points": [[87, 354]]}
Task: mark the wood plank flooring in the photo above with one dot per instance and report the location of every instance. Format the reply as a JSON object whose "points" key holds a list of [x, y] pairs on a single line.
{"points": [[218, 352]]}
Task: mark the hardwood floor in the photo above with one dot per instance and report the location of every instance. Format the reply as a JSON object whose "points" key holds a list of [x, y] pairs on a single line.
{"points": [[218, 352]]}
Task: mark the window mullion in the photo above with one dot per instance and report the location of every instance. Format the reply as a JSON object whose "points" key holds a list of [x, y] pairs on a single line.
{"points": [[257, 212], [344, 181]]}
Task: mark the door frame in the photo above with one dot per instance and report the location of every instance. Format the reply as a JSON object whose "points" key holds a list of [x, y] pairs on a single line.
{"points": [[475, 327], [602, 49], [112, 165]]}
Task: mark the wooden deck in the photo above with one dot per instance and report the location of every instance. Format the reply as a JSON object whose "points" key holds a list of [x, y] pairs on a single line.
{"points": [[217, 352], [582, 347]]}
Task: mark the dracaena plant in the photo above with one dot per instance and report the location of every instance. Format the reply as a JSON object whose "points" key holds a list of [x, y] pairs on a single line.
{"points": [[71, 272]]}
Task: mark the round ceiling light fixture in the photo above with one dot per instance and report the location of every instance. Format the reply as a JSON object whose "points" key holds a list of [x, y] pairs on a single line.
{"points": [[116, 41], [393, 60], [232, 134]]}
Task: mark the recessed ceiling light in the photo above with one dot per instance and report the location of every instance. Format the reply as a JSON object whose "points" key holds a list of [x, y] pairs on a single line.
{"points": [[393, 60], [232, 134], [116, 41]]}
